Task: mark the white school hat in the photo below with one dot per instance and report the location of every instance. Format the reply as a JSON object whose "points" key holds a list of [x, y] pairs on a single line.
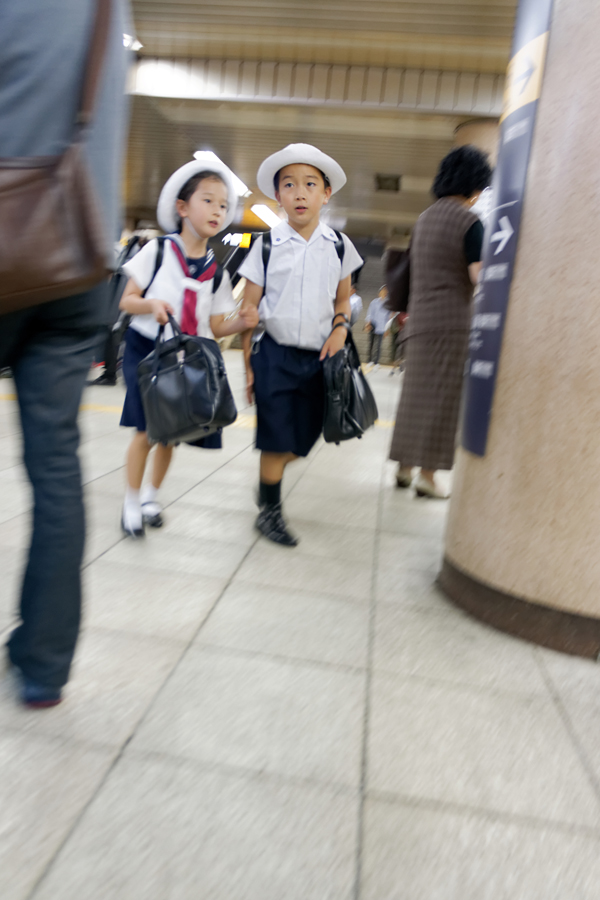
{"points": [[166, 211], [299, 153]]}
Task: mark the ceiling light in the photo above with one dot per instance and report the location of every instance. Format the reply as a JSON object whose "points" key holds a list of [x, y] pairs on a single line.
{"points": [[241, 189], [131, 42], [266, 214]]}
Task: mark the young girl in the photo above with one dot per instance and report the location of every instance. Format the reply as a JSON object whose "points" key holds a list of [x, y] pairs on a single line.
{"points": [[196, 203], [304, 297]]}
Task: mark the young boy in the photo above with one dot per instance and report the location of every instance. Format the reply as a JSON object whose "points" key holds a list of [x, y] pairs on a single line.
{"points": [[377, 324], [304, 296]]}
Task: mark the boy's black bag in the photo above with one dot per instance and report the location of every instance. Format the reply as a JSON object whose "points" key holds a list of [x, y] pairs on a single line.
{"points": [[350, 406], [184, 388]]}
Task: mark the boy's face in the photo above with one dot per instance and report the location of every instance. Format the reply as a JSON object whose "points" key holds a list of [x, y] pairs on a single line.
{"points": [[207, 207], [302, 193]]}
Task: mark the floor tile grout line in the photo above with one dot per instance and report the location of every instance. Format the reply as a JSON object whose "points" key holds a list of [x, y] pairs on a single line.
{"points": [[120, 751], [360, 836], [233, 770], [495, 815], [568, 726], [123, 537]]}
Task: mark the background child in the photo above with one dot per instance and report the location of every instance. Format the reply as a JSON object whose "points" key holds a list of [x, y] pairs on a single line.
{"points": [[197, 202], [377, 324], [305, 309]]}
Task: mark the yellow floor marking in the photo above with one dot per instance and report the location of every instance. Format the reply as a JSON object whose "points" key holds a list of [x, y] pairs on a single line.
{"points": [[242, 421]]}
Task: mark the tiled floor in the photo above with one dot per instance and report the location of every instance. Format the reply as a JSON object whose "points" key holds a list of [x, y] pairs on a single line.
{"points": [[247, 722]]}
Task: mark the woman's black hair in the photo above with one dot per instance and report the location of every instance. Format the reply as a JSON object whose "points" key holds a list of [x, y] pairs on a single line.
{"points": [[322, 174], [462, 172], [192, 183]]}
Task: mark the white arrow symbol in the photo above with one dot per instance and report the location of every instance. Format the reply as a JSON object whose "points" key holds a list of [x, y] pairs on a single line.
{"points": [[503, 236]]}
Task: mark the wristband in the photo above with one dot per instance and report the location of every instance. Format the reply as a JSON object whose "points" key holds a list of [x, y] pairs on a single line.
{"points": [[346, 319]]}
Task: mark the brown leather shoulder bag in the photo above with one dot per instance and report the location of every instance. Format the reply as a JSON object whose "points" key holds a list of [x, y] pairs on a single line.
{"points": [[52, 241]]}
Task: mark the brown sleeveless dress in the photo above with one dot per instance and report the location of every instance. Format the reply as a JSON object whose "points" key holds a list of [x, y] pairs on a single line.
{"points": [[437, 334]]}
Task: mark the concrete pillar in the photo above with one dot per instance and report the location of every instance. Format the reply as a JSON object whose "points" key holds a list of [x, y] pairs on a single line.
{"points": [[523, 540], [482, 133]]}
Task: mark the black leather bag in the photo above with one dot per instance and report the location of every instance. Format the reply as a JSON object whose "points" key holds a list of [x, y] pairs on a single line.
{"points": [[184, 388], [350, 406]]}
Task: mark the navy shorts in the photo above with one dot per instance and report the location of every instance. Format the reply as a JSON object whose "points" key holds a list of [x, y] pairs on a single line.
{"points": [[290, 401], [137, 348]]}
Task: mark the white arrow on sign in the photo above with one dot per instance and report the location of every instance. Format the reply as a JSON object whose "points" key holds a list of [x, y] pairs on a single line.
{"points": [[504, 235]]}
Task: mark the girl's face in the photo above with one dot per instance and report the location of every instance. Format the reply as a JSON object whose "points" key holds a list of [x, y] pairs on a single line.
{"points": [[302, 193], [206, 209]]}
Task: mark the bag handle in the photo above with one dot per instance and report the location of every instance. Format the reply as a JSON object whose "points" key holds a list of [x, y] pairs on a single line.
{"points": [[95, 58]]}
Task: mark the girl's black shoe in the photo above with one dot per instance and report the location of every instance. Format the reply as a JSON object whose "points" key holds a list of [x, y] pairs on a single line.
{"points": [[271, 524]]}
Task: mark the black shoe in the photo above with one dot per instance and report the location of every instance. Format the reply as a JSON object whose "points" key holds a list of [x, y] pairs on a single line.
{"points": [[271, 524], [133, 532], [152, 519], [109, 380], [39, 696]]}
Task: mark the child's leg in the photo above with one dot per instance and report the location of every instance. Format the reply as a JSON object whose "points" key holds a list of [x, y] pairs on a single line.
{"points": [[270, 521], [136, 459], [162, 461], [136, 463], [151, 509], [272, 466]]}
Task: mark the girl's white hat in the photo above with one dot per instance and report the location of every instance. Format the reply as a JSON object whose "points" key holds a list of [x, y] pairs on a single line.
{"points": [[299, 153], [166, 211]]}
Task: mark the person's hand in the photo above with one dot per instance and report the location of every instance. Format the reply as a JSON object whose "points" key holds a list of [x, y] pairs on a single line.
{"points": [[249, 316], [334, 343], [249, 385], [368, 327], [161, 310]]}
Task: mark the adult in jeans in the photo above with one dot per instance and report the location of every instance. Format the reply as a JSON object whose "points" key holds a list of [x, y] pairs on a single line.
{"points": [[49, 347]]}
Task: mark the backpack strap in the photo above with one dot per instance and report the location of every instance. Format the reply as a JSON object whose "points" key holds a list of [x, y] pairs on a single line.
{"points": [[217, 279], [340, 247], [160, 252], [266, 254]]}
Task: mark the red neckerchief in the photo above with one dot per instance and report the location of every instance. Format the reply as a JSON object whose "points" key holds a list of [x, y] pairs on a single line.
{"points": [[189, 320]]}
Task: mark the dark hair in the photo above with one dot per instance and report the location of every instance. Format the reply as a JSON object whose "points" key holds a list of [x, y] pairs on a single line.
{"points": [[322, 174], [462, 172], [192, 183]]}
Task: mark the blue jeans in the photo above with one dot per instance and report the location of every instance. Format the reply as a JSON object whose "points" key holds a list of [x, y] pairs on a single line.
{"points": [[50, 349]]}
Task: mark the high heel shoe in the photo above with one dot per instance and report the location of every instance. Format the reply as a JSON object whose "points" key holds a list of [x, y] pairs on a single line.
{"points": [[425, 488], [404, 477]]}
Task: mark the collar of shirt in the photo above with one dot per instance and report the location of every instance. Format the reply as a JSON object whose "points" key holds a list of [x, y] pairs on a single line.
{"points": [[284, 232]]}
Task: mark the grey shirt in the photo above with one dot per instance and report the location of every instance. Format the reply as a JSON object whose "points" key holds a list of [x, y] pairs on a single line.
{"points": [[43, 53]]}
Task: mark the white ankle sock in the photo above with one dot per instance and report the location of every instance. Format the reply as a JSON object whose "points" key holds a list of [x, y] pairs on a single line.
{"points": [[132, 510], [148, 494]]}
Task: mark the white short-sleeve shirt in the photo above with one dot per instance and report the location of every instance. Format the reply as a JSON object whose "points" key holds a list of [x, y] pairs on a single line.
{"points": [[302, 282], [170, 284]]}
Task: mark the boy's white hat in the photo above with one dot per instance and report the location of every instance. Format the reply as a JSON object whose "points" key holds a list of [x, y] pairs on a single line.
{"points": [[166, 211], [299, 153]]}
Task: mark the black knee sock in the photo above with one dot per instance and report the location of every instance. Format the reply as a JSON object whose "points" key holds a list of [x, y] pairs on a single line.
{"points": [[270, 494]]}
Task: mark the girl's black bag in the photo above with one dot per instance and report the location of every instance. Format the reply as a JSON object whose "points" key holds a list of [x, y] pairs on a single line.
{"points": [[184, 388], [350, 406]]}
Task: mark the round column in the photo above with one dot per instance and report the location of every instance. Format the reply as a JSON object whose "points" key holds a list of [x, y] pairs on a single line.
{"points": [[523, 540]]}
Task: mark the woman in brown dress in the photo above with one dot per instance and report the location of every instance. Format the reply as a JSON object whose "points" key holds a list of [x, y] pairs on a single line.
{"points": [[445, 260]]}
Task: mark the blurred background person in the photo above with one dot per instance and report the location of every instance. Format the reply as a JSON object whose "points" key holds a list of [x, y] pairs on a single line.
{"points": [[377, 324], [50, 347], [445, 260], [356, 304]]}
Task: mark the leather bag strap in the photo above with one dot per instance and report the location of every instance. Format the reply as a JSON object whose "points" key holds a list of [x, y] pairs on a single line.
{"points": [[95, 59]]}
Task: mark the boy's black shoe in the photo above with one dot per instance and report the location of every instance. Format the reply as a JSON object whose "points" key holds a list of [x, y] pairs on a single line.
{"points": [[271, 524]]}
